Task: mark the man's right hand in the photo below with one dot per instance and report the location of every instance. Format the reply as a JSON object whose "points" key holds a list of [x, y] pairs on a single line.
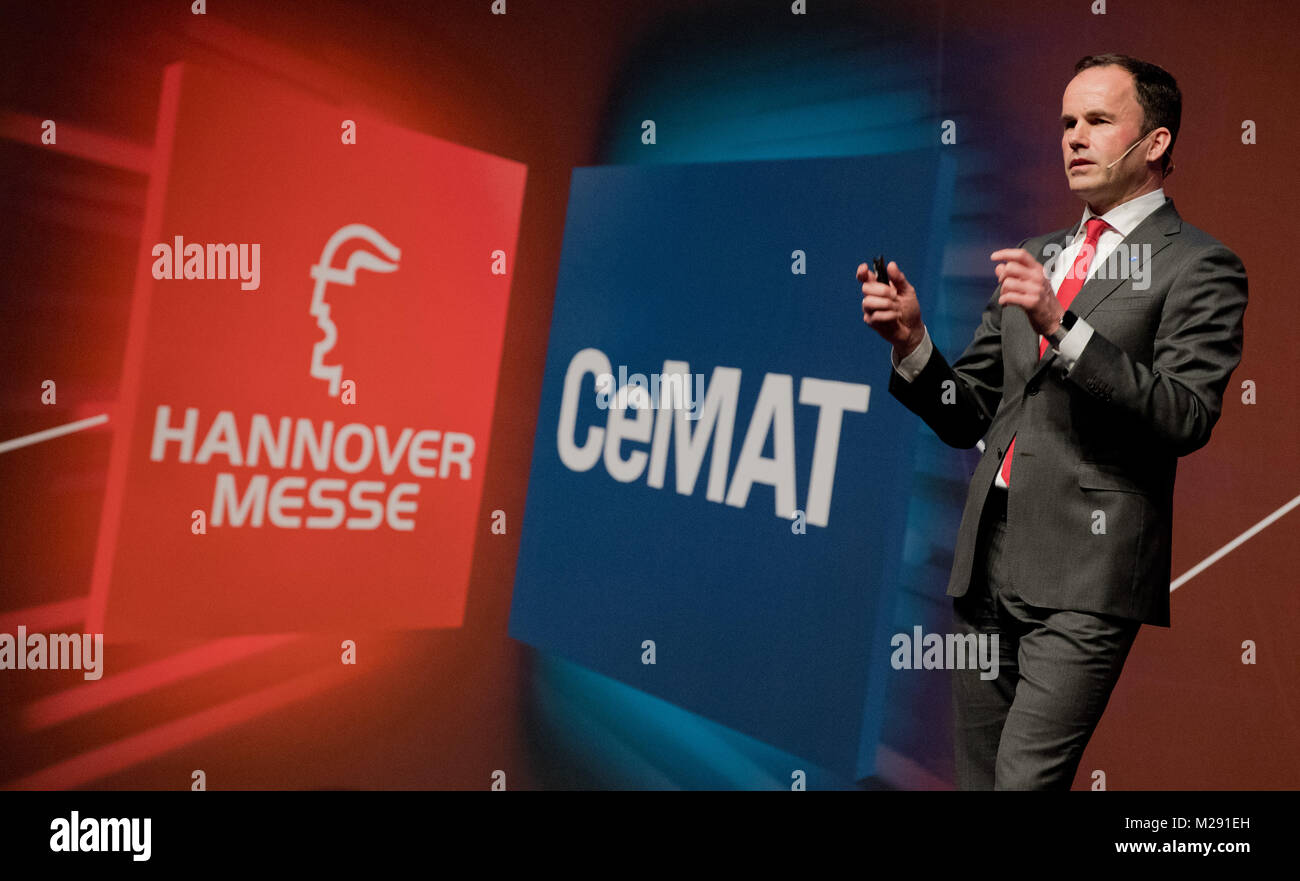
{"points": [[892, 309]]}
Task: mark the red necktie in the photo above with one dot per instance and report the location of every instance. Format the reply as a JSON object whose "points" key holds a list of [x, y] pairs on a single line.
{"points": [[1070, 286]]}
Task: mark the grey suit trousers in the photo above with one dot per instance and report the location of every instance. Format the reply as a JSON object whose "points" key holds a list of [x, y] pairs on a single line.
{"points": [[1028, 727]]}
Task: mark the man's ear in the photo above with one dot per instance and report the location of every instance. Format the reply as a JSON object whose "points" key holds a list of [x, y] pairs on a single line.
{"points": [[1161, 138]]}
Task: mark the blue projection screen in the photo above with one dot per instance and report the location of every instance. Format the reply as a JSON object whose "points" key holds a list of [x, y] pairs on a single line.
{"points": [[739, 520]]}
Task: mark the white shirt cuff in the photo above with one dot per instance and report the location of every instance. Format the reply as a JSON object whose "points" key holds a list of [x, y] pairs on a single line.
{"points": [[1072, 343], [911, 366]]}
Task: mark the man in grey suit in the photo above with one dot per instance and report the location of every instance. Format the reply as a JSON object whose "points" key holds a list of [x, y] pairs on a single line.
{"points": [[1087, 378]]}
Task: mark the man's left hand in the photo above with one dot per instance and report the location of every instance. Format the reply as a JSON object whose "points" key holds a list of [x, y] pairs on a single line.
{"points": [[1025, 284]]}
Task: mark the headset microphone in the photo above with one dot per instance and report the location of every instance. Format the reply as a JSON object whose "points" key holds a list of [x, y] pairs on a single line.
{"points": [[1129, 150]]}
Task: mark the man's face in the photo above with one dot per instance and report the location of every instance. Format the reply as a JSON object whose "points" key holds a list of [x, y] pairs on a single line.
{"points": [[1101, 118]]}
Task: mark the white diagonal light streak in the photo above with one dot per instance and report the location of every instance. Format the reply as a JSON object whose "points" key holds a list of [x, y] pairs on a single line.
{"points": [[1231, 546], [29, 439]]}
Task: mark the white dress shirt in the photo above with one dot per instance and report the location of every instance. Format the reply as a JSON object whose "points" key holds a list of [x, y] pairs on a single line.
{"points": [[1123, 219]]}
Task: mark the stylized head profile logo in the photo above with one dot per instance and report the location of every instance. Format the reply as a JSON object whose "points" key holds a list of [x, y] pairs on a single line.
{"points": [[325, 273]]}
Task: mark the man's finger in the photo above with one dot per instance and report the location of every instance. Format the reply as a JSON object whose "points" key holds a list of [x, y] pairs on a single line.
{"points": [[872, 301], [1013, 255], [896, 275], [882, 316], [1019, 286], [1020, 270], [878, 289]]}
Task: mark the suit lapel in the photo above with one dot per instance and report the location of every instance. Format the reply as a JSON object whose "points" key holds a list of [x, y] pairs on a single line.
{"points": [[1154, 232]]}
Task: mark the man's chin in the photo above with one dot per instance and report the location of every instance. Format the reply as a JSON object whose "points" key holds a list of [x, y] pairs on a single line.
{"points": [[1080, 189]]}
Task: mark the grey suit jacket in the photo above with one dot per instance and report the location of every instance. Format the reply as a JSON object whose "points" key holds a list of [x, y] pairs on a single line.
{"points": [[1090, 505]]}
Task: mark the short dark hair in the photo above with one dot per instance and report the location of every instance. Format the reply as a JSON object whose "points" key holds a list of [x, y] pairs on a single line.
{"points": [[1157, 95]]}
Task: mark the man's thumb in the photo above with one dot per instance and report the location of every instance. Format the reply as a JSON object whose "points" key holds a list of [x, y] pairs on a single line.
{"points": [[896, 275]]}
